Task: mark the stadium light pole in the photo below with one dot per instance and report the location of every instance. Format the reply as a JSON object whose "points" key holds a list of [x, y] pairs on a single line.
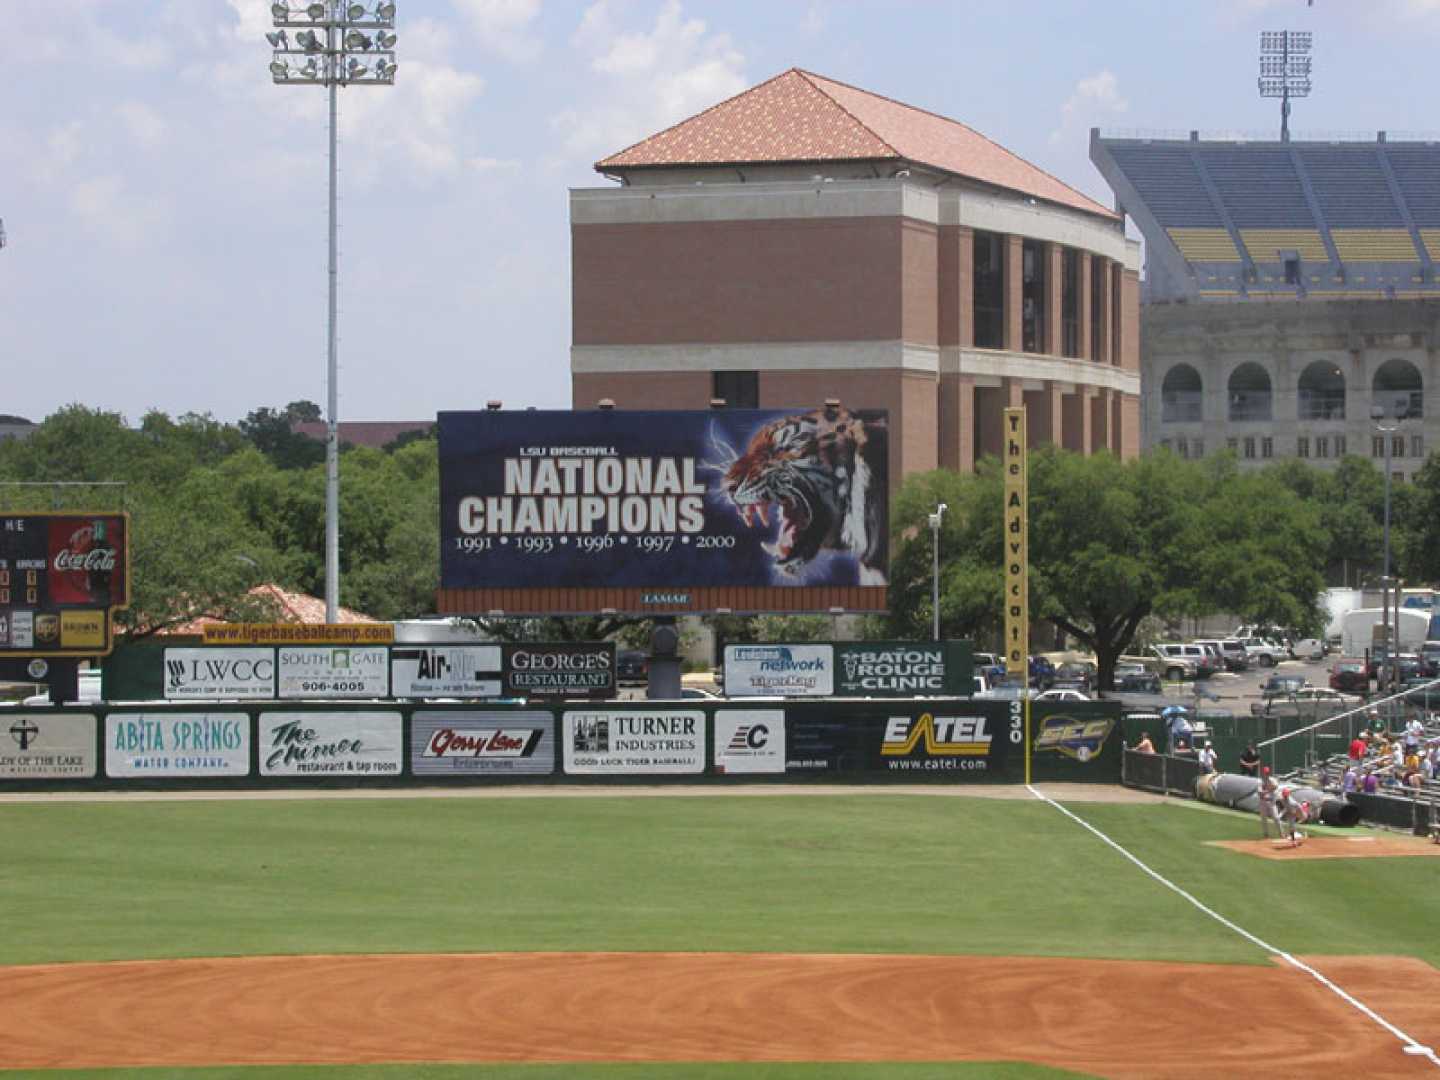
{"points": [[1285, 70], [1377, 414], [935, 520], [342, 43]]}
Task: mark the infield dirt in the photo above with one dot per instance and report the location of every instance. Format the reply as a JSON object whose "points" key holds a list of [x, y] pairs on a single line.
{"points": [[1099, 1017]]}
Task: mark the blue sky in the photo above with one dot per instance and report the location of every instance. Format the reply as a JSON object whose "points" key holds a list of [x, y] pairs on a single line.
{"points": [[165, 203]]}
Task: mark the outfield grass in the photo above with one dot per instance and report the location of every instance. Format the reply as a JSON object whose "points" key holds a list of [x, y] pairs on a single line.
{"points": [[873, 874]]}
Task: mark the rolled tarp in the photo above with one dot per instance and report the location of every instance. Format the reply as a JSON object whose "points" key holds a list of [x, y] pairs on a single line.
{"points": [[1243, 793]]}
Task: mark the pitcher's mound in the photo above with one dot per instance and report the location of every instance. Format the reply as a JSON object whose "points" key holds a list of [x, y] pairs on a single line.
{"points": [[1333, 847]]}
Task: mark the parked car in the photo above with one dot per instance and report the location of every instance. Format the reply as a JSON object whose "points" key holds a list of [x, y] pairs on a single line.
{"points": [[1190, 661], [1264, 652], [990, 666], [1074, 676], [1136, 678], [1350, 673], [1231, 655], [1042, 673], [1058, 694], [1282, 685], [1308, 703], [1308, 649], [632, 666]]}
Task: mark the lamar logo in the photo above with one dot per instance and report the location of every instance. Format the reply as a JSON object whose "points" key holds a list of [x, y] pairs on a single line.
{"points": [[942, 736], [749, 737], [1079, 739]]}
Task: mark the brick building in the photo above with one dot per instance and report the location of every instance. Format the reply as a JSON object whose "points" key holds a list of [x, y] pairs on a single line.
{"points": [[807, 240]]}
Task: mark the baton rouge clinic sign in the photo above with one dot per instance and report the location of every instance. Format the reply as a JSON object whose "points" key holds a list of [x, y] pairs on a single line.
{"points": [[659, 506]]}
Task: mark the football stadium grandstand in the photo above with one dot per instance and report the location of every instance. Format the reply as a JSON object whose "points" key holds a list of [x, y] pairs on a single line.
{"points": [[1290, 294]]}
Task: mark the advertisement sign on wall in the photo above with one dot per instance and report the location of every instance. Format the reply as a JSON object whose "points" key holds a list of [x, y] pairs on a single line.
{"points": [[422, 671], [819, 742], [330, 744], [955, 738], [333, 671], [749, 741], [779, 670], [581, 670], [493, 743], [177, 744], [663, 500], [47, 747], [649, 741], [903, 669], [219, 673]]}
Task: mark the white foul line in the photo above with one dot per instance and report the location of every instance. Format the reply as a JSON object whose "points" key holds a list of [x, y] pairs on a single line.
{"points": [[1410, 1045]]}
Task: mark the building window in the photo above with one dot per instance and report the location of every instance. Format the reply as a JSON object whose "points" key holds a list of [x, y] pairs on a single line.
{"points": [[1339, 445], [989, 288], [1398, 477], [1302, 446], [1198, 448], [1377, 446], [740, 389], [1267, 447], [1292, 270], [1397, 446], [1069, 303], [1097, 307], [1417, 446], [1164, 444], [1322, 446], [1117, 324], [1232, 444], [1182, 447], [1032, 296], [1249, 446]]}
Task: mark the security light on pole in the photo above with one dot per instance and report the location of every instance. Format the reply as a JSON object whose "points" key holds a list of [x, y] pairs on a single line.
{"points": [[1285, 70], [935, 520], [341, 44]]}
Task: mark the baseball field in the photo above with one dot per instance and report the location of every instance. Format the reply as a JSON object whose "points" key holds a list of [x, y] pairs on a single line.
{"points": [[878, 935]]}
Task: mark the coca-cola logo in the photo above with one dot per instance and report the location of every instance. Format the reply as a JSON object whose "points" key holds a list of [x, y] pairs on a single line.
{"points": [[94, 559]]}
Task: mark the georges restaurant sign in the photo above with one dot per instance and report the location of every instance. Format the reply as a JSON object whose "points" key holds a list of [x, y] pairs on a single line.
{"points": [[663, 501], [581, 670]]}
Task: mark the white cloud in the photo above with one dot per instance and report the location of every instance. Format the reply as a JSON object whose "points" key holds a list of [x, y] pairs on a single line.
{"points": [[144, 124], [648, 79], [816, 16], [1095, 98], [503, 26]]}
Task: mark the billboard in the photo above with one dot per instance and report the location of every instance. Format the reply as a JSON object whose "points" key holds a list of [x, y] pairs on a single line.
{"points": [[664, 511], [333, 671], [422, 671], [58, 747], [485, 743], [578, 670], [330, 744], [219, 674], [779, 670], [61, 577], [639, 741], [749, 741], [154, 744], [903, 668]]}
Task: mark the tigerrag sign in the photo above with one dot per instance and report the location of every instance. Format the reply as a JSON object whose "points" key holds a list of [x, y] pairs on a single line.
{"points": [[663, 501]]}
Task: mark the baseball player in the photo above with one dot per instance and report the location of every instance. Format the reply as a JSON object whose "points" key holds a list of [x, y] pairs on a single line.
{"points": [[1291, 812], [1266, 794]]}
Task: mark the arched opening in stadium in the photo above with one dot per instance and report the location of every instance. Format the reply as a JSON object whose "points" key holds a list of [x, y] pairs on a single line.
{"points": [[1250, 393], [1322, 392], [1181, 395], [1398, 389]]}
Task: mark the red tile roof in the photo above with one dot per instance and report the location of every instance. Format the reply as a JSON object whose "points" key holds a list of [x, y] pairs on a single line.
{"points": [[376, 433], [802, 117], [291, 607]]}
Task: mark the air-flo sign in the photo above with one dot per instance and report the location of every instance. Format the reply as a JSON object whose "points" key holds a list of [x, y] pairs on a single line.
{"points": [[849, 669], [423, 671]]}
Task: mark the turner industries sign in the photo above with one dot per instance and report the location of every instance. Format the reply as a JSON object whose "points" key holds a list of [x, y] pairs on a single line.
{"points": [[849, 669]]}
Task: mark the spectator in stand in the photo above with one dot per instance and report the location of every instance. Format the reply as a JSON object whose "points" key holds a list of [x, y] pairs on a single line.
{"points": [[1351, 780], [1144, 746], [1209, 760], [1414, 733], [1369, 783], [1178, 719], [1358, 747], [1250, 761], [1432, 758]]}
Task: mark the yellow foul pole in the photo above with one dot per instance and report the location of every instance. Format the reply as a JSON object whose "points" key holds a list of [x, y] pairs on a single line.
{"points": [[1017, 564]]}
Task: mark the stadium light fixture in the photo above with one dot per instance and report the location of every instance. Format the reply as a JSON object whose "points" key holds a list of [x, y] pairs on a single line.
{"points": [[331, 34], [935, 520], [1285, 69]]}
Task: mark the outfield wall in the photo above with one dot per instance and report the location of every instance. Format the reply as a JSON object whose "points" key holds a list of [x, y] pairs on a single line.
{"points": [[308, 744]]}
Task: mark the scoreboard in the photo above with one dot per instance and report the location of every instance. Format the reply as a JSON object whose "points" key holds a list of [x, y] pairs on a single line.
{"points": [[62, 575]]}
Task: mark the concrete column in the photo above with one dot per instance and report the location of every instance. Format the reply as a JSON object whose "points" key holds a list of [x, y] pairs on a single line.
{"points": [[957, 286], [1014, 291], [1075, 421], [1051, 420], [1117, 324], [1130, 427], [1086, 299], [1054, 261], [1099, 421], [989, 432], [1128, 329], [1104, 355], [966, 435]]}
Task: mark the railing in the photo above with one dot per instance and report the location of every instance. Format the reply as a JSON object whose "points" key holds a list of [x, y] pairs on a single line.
{"points": [[1233, 135], [1322, 405], [1181, 406]]}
